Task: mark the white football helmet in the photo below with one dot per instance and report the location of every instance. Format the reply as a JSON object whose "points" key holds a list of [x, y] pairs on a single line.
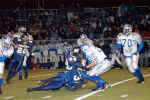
{"points": [[82, 36], [22, 29], [127, 27], [6, 41]]}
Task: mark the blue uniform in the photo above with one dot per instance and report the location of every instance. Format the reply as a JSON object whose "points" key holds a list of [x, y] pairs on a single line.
{"points": [[70, 79], [18, 57]]}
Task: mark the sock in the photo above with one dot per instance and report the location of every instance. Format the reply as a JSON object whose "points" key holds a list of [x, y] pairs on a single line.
{"points": [[26, 68], [98, 80], [1, 82], [138, 74], [20, 74]]}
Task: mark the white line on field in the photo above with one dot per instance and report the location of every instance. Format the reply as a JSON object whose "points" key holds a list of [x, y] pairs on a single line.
{"points": [[114, 84], [9, 97], [49, 96]]}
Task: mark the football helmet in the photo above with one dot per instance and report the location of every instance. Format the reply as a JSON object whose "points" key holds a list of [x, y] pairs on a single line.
{"points": [[6, 42], [127, 27], [22, 29]]}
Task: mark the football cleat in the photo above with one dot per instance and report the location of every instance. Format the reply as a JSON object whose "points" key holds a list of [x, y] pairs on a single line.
{"points": [[20, 77], [107, 85], [26, 75], [140, 82], [102, 87], [29, 90], [6, 81], [0, 91]]}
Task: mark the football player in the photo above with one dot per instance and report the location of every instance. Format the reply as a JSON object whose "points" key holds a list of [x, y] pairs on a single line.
{"points": [[132, 44], [6, 50], [97, 62], [21, 49], [70, 79]]}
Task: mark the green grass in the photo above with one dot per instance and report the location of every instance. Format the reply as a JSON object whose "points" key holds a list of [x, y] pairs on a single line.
{"points": [[133, 91]]}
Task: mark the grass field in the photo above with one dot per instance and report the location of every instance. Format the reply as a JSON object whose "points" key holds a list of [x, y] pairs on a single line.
{"points": [[128, 90]]}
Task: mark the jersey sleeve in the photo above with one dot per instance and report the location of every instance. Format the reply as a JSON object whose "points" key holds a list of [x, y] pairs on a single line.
{"points": [[118, 40], [138, 38], [9, 52]]}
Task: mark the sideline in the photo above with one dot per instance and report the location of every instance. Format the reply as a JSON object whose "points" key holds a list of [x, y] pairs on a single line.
{"points": [[114, 84]]}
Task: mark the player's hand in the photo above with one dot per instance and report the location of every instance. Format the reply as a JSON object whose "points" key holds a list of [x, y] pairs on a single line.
{"points": [[1, 55], [16, 46], [88, 66], [83, 86], [135, 53]]}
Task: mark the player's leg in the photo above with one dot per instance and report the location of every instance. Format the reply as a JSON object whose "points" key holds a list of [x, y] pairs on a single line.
{"points": [[1, 75], [52, 86], [11, 65], [96, 79], [18, 68], [135, 60], [104, 67], [20, 74], [25, 67], [133, 67], [26, 71]]}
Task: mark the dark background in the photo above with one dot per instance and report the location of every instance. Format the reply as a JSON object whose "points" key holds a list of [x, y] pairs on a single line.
{"points": [[33, 4]]}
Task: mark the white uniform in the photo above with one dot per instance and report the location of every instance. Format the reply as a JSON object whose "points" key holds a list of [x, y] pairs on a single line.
{"points": [[130, 43], [45, 53], [101, 64], [5, 52]]}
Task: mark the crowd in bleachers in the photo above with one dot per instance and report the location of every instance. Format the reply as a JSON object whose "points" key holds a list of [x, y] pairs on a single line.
{"points": [[70, 23]]}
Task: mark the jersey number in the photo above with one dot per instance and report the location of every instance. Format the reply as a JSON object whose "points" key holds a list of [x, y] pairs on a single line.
{"points": [[128, 41], [21, 50]]}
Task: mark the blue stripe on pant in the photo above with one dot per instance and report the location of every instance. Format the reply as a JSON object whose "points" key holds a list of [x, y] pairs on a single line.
{"points": [[96, 79]]}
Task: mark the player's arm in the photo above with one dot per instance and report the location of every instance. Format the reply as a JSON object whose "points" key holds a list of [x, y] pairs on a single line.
{"points": [[91, 64], [140, 47], [140, 42], [118, 43], [2, 57]]}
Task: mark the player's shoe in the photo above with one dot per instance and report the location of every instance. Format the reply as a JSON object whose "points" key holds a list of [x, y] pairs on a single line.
{"points": [[20, 77], [29, 90], [6, 81], [107, 85], [140, 81], [26, 75], [102, 87], [0, 91]]}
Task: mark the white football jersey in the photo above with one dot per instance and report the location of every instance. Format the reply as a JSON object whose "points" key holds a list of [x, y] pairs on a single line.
{"points": [[93, 52], [129, 42], [6, 52]]}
